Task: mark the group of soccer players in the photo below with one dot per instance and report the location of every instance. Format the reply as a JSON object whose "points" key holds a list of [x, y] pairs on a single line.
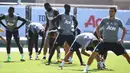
{"points": [[62, 30]]}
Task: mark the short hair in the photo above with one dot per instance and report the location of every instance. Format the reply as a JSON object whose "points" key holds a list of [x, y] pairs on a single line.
{"points": [[114, 8], [46, 4], [11, 8], [66, 5]]}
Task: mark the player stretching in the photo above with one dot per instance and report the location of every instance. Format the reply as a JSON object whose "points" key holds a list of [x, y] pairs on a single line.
{"points": [[110, 40], [65, 23]]}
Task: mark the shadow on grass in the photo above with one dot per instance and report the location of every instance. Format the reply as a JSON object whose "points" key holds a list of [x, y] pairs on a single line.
{"points": [[76, 70], [93, 70], [11, 61]]}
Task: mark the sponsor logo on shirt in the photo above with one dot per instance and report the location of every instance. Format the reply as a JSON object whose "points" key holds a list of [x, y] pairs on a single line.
{"points": [[67, 22], [111, 28]]}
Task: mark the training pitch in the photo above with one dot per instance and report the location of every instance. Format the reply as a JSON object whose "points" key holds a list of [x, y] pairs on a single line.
{"points": [[114, 64]]}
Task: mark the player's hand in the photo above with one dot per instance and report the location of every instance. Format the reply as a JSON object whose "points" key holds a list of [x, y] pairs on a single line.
{"points": [[101, 40], [72, 29], [120, 41]]}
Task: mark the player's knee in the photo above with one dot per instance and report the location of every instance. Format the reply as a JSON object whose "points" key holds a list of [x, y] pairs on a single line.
{"points": [[94, 54]]}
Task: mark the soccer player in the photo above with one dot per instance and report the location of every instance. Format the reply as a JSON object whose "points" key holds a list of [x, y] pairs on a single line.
{"points": [[35, 29], [67, 47], [81, 41], [94, 44], [65, 28], [110, 40], [12, 30], [50, 14]]}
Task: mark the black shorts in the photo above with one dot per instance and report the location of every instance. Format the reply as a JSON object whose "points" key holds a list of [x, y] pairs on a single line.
{"points": [[61, 39], [32, 35], [103, 47], [92, 45], [9, 34], [90, 48], [51, 34], [75, 46]]}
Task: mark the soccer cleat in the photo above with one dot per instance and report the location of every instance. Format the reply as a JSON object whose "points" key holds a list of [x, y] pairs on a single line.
{"points": [[44, 58], [9, 59], [59, 59], [85, 71], [61, 67], [104, 66], [30, 57], [100, 66], [68, 62], [36, 58], [83, 64], [22, 59]]}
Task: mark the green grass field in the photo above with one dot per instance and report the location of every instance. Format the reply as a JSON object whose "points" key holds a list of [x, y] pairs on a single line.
{"points": [[115, 65]]}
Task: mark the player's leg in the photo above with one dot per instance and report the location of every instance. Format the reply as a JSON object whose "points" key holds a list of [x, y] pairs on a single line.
{"points": [[45, 48], [8, 38], [75, 46], [66, 48], [52, 47], [99, 49], [127, 57], [90, 61], [36, 46], [70, 40], [30, 44], [84, 52], [99, 58], [120, 50], [79, 55], [16, 38], [58, 42], [54, 35], [30, 47], [65, 59], [103, 59], [51, 40], [58, 54]]}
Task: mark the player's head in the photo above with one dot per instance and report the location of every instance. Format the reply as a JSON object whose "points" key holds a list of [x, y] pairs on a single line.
{"points": [[67, 7], [47, 6], [112, 11], [11, 10]]}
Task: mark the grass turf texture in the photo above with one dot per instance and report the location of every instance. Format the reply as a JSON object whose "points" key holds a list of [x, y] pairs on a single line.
{"points": [[115, 65]]}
